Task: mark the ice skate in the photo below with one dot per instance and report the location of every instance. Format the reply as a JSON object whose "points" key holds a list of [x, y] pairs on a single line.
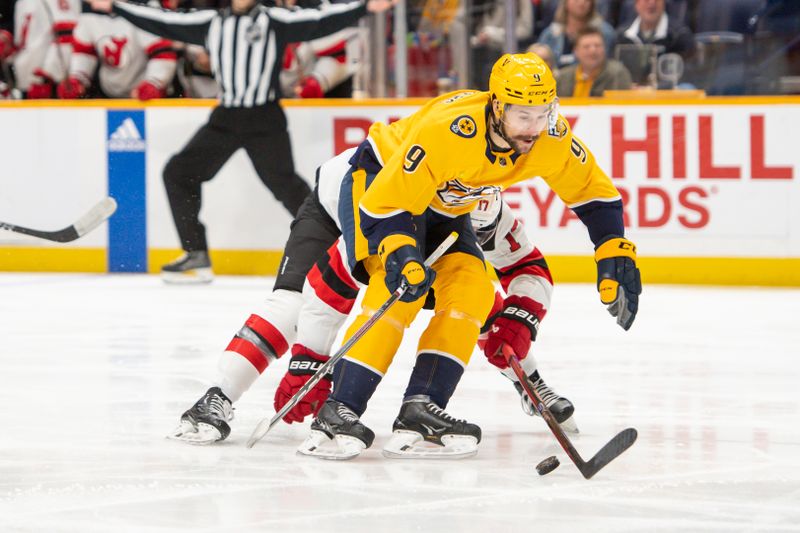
{"points": [[336, 434], [191, 267], [561, 407], [423, 430], [207, 421]]}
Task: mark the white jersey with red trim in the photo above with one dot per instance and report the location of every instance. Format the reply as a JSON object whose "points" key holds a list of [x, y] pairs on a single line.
{"points": [[330, 59], [125, 54], [520, 266], [43, 39]]}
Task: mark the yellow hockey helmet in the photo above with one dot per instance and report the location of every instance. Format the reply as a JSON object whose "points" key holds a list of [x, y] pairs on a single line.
{"points": [[522, 79]]}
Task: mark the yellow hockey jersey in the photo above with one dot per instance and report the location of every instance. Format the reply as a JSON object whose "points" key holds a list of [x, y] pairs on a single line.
{"points": [[440, 158]]}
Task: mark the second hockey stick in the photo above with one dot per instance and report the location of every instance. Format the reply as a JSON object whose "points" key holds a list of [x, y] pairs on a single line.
{"points": [[266, 424], [96, 216], [613, 448]]}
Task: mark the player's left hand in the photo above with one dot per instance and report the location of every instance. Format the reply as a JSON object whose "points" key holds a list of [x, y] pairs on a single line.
{"points": [[618, 278], [309, 87], [405, 264], [147, 91], [303, 365], [516, 326], [70, 88]]}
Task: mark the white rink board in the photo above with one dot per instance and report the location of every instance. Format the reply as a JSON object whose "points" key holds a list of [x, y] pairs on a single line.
{"points": [[55, 167]]}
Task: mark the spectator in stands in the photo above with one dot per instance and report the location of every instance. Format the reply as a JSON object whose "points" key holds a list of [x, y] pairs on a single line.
{"points": [[489, 39], [594, 73], [571, 17], [544, 51], [654, 26]]}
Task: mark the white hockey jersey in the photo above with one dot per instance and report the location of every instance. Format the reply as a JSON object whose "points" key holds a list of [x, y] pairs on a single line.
{"points": [[331, 60], [125, 54], [196, 84], [43, 38], [519, 265]]}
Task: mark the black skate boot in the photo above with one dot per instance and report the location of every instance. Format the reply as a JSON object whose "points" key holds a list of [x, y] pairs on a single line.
{"points": [[337, 433], [207, 420], [191, 267], [561, 408], [421, 421]]}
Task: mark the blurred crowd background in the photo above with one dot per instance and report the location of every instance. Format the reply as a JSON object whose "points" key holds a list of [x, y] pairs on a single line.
{"points": [[54, 49]]}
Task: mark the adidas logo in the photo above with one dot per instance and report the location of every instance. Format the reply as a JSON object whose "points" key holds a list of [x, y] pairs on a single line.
{"points": [[126, 138]]}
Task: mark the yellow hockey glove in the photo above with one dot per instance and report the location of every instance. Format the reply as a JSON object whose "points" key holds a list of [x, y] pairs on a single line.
{"points": [[403, 262], [618, 278]]}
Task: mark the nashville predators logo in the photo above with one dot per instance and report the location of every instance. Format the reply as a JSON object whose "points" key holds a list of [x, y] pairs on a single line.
{"points": [[464, 126], [559, 130], [454, 193]]}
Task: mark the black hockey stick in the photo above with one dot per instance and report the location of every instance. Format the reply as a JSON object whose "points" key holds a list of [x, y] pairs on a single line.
{"points": [[613, 448], [266, 424], [96, 216]]}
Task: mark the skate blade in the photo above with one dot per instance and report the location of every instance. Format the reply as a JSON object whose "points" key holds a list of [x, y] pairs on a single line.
{"points": [[339, 448], [202, 435], [189, 277], [569, 425], [411, 445]]}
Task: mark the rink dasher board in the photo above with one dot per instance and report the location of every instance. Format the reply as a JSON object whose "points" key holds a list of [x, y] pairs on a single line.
{"points": [[709, 185]]}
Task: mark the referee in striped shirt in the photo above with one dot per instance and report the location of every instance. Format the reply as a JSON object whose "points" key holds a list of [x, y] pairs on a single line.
{"points": [[246, 45]]}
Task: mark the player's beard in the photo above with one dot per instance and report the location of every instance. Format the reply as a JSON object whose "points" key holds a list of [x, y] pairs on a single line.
{"points": [[522, 144]]}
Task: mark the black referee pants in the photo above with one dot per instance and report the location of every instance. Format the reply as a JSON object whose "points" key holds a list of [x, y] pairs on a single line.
{"points": [[262, 132]]}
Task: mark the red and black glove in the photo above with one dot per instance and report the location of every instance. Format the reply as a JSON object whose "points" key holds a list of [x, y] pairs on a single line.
{"points": [[148, 91], [310, 88], [71, 88], [42, 87], [302, 366], [516, 326], [40, 91], [6, 44]]}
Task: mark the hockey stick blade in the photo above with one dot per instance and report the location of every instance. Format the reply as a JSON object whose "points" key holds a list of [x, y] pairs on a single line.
{"points": [[609, 452], [93, 218], [266, 424], [613, 448]]}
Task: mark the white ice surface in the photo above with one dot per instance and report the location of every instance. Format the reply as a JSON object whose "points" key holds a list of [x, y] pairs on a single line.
{"points": [[96, 369]]}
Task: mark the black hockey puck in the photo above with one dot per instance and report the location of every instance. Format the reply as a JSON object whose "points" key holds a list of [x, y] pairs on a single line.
{"points": [[548, 465]]}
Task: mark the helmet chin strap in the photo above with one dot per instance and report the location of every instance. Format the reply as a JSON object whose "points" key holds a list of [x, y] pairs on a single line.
{"points": [[497, 127]]}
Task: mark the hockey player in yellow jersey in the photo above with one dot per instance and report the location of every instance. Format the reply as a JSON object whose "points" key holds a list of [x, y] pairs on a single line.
{"points": [[413, 182]]}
